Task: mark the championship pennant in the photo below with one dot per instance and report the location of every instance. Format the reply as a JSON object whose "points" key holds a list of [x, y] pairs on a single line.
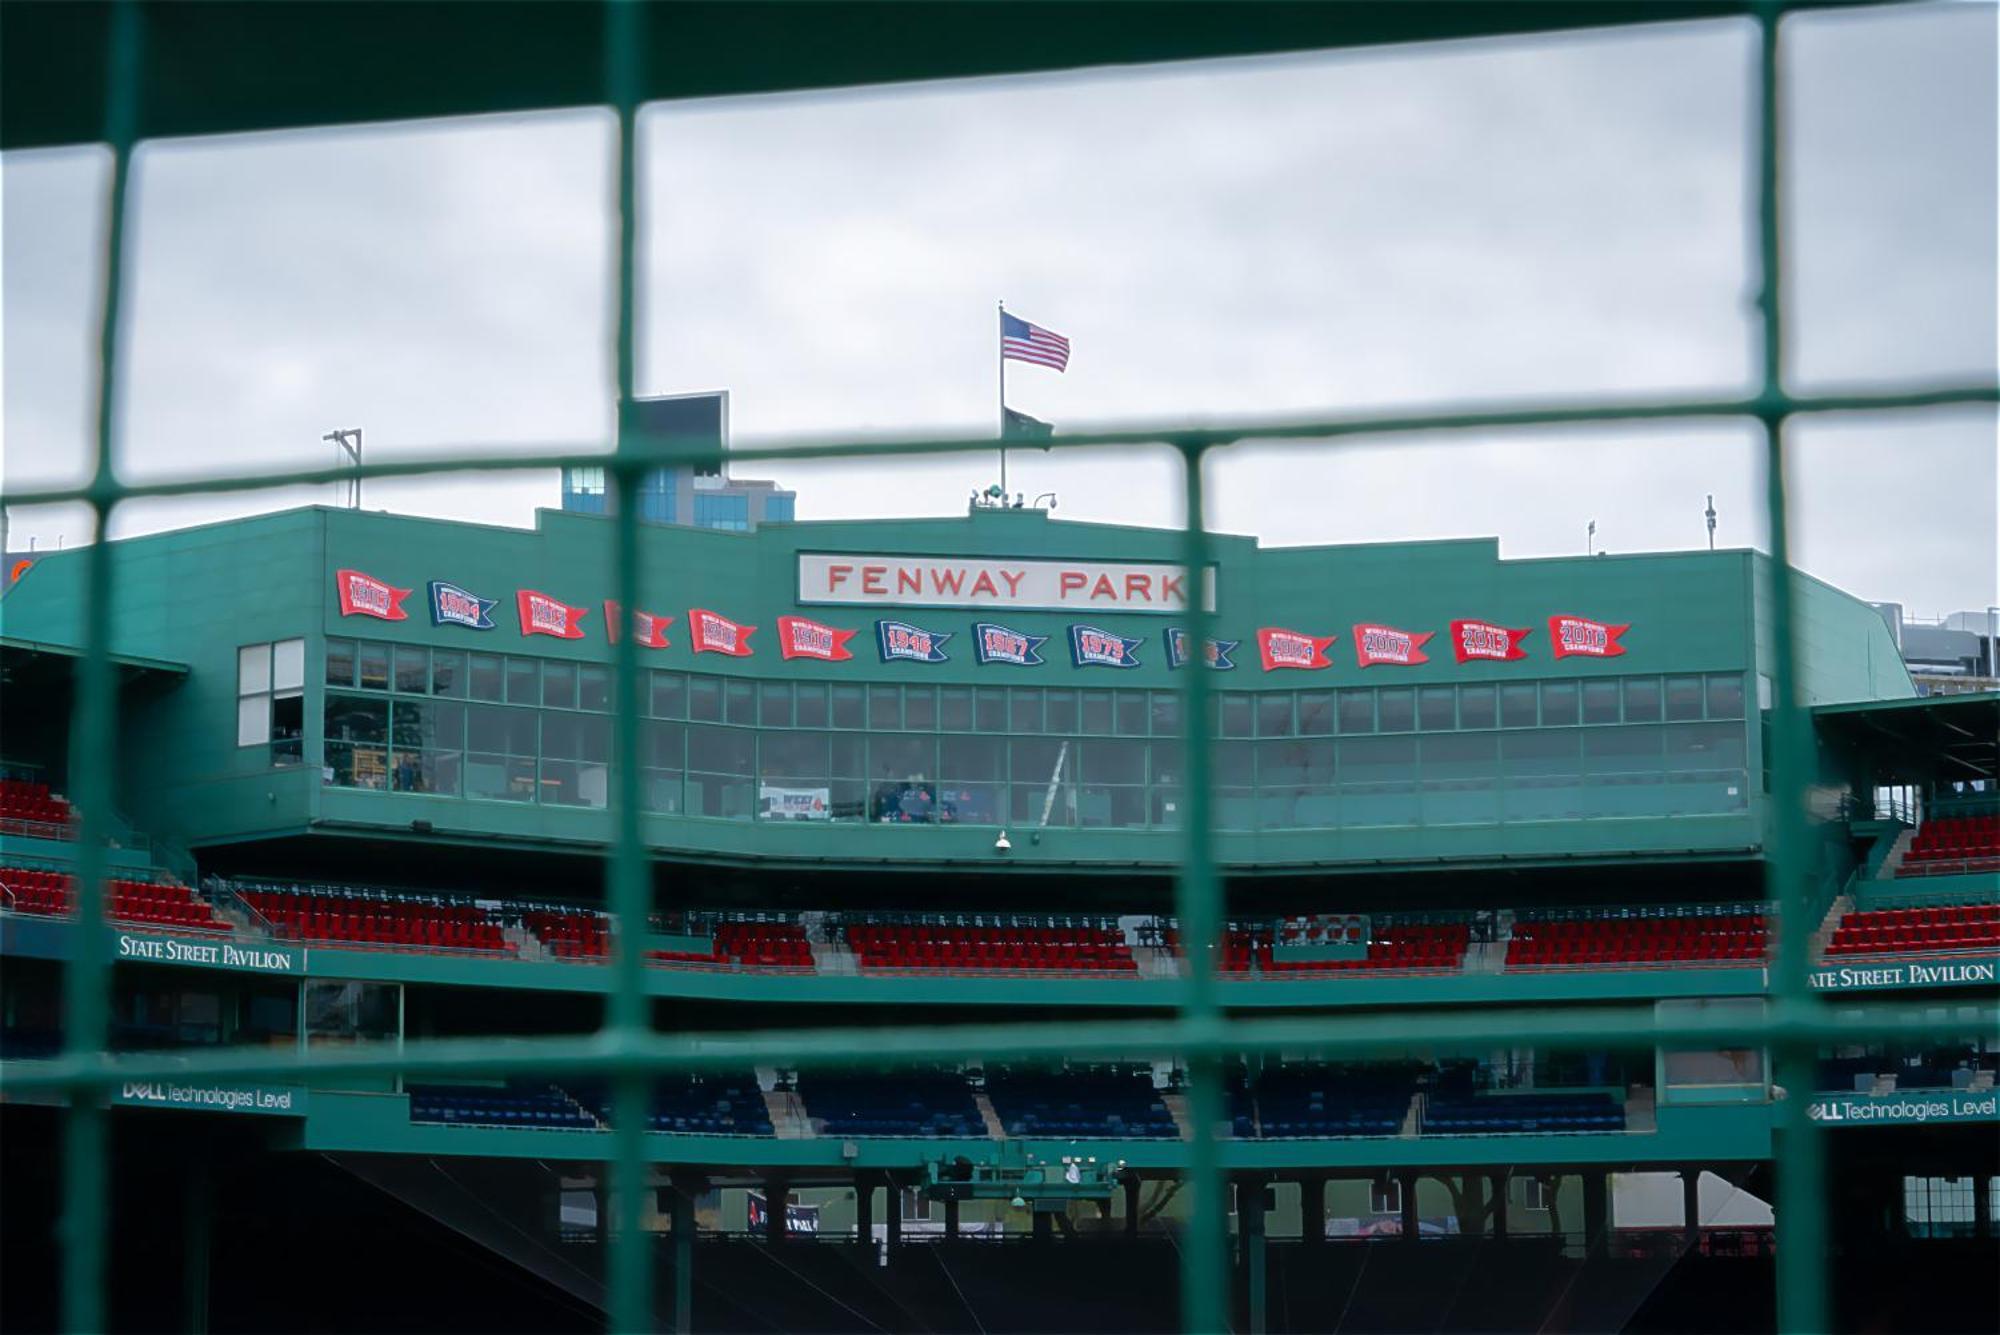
{"points": [[365, 596], [1581, 637], [453, 606], [715, 634], [1374, 645], [648, 631], [1092, 647], [901, 642], [1217, 651], [543, 615], [1483, 639], [1290, 649], [992, 643], [800, 638]]}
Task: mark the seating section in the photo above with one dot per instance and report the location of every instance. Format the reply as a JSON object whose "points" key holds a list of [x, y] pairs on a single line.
{"points": [[25, 802], [1099, 1103], [1489, 1114], [1289, 1102], [1541, 943], [764, 945], [1896, 931], [1409, 946], [571, 934], [378, 920], [903, 1103], [1952, 845], [584, 934], [1081, 949], [518, 1105], [157, 903], [697, 1105]]}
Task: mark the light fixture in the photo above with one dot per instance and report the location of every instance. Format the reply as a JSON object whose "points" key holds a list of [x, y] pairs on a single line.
{"points": [[1019, 1202], [1002, 844]]}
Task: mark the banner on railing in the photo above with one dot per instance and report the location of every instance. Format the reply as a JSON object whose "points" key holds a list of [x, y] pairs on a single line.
{"points": [[1905, 1107], [268, 1100]]}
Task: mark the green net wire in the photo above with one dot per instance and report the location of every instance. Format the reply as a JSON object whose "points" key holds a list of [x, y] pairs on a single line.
{"points": [[628, 1053]]}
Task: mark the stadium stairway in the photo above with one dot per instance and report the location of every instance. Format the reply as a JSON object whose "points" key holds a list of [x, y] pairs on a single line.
{"points": [[995, 1130], [788, 1115], [1177, 1104]]}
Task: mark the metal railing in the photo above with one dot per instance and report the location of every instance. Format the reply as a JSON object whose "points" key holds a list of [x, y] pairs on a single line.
{"points": [[627, 1052]]}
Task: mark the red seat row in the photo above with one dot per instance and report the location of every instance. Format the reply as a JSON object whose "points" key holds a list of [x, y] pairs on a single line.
{"points": [[25, 801], [1895, 931], [1954, 844], [157, 903], [1414, 946], [396, 924], [1684, 939], [937, 947]]}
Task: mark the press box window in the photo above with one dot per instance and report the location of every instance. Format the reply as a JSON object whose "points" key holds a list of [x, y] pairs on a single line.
{"points": [[270, 699]]}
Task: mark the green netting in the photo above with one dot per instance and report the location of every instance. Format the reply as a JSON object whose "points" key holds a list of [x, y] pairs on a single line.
{"points": [[628, 1053]]}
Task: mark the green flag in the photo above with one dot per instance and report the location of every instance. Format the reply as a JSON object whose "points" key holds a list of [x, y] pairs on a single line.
{"points": [[1020, 426]]}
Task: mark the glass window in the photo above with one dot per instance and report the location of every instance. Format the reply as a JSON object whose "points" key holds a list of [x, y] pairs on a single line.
{"points": [[1559, 703], [1437, 708], [356, 729], [432, 725], [1095, 708], [1706, 746], [669, 695], [288, 728], [1237, 716], [989, 709], [253, 668], [524, 683], [920, 708], [1024, 710], [1357, 711], [885, 707], [373, 660], [1725, 695], [1130, 707], [499, 730], [1642, 699], [1600, 702], [1063, 712], [1683, 698], [485, 678], [340, 662], [593, 688], [972, 758], [1630, 751], [1375, 760], [1517, 705], [1398, 708], [705, 699], [850, 755], [559, 685], [955, 709], [413, 670], [1166, 707], [812, 705], [448, 672], [1274, 714], [712, 510], [739, 702], [1541, 753], [728, 751], [253, 720], [849, 707], [288, 665], [1316, 717], [795, 755], [1476, 707], [774, 705]]}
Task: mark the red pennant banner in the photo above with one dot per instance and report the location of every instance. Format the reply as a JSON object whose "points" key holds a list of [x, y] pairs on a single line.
{"points": [[543, 615], [1385, 644], [1290, 649], [648, 630], [1483, 639], [1582, 637], [716, 634], [800, 638], [365, 596]]}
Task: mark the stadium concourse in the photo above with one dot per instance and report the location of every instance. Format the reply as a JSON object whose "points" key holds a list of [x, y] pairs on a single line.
{"points": [[931, 771]]}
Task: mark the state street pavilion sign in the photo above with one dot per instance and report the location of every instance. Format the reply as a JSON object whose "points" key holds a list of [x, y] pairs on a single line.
{"points": [[858, 579], [208, 953]]}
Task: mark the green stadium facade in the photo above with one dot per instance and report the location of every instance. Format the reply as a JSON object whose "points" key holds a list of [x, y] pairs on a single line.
{"points": [[931, 769]]}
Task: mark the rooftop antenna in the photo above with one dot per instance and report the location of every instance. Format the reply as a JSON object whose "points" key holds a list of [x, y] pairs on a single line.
{"points": [[350, 450], [1710, 514], [1590, 539]]}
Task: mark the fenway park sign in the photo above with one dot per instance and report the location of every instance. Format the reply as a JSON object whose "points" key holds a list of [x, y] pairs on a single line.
{"points": [[938, 581]]}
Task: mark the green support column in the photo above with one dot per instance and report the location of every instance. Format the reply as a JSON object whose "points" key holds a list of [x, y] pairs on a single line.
{"points": [[680, 1202], [1044, 1226], [1982, 1205], [1412, 1225], [1691, 1208], [1312, 1208], [198, 1202], [951, 1218], [1497, 1184], [892, 1207], [777, 1200], [1132, 1205], [1250, 1220], [864, 1209], [1596, 1212]]}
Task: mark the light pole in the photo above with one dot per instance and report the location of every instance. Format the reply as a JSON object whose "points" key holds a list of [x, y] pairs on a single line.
{"points": [[1710, 515], [349, 449], [1590, 539]]}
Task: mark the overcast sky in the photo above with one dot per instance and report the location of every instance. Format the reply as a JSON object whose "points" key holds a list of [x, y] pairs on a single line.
{"points": [[1398, 227]]}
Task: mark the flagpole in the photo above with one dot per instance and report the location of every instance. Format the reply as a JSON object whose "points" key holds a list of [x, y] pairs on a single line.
{"points": [[1002, 333]]}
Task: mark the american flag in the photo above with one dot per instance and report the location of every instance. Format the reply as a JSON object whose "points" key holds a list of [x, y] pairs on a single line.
{"points": [[1024, 342]]}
